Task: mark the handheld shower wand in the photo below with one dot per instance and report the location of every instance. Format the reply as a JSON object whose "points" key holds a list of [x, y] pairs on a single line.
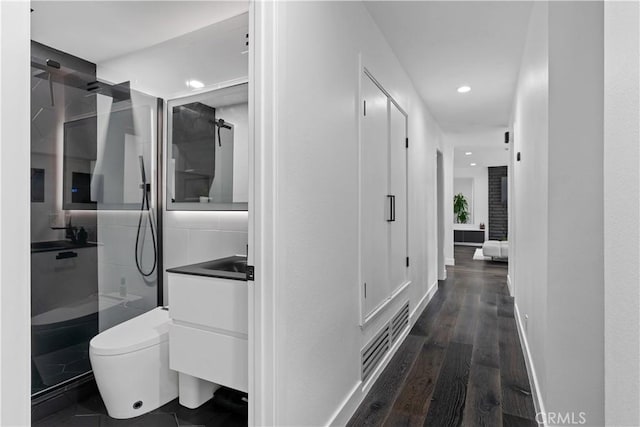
{"points": [[143, 175], [146, 189]]}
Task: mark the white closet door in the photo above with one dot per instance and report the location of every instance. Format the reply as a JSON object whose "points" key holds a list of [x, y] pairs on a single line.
{"points": [[398, 188], [374, 204]]}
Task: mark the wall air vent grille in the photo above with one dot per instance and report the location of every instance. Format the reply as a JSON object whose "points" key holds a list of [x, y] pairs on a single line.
{"points": [[399, 322], [373, 353]]}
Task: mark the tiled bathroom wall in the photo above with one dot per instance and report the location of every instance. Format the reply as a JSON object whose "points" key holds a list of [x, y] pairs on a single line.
{"points": [[118, 276]]}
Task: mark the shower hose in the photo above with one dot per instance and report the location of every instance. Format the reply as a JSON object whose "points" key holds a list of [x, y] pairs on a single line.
{"points": [[145, 203]]}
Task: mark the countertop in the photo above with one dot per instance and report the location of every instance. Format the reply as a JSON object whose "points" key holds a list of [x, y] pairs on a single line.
{"points": [[232, 267], [59, 245]]}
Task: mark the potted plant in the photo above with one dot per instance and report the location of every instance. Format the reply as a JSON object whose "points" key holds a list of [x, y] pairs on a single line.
{"points": [[460, 208]]}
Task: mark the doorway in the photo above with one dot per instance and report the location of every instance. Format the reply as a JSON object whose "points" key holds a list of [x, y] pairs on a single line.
{"points": [[442, 271]]}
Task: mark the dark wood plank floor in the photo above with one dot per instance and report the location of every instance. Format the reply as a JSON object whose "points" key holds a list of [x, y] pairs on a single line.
{"points": [[462, 362]]}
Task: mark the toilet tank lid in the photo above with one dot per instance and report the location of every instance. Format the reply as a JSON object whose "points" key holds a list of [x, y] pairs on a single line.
{"points": [[140, 332]]}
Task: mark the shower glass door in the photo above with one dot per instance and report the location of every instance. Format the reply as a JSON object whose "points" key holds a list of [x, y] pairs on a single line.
{"points": [[94, 242], [124, 187]]}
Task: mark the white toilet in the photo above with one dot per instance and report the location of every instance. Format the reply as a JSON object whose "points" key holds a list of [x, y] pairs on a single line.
{"points": [[131, 365]]}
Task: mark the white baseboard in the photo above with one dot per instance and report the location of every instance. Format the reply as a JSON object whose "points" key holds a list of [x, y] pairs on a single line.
{"points": [[419, 308], [357, 394], [449, 261], [348, 407], [531, 370], [509, 285]]}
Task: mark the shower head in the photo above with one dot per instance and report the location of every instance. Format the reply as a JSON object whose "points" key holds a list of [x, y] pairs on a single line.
{"points": [[222, 124], [119, 92], [52, 63]]}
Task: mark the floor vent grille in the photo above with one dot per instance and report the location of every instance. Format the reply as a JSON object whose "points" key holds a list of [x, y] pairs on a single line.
{"points": [[399, 322], [372, 354]]}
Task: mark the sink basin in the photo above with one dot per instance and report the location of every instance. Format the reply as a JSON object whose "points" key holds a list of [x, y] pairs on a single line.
{"points": [[233, 267], [225, 264]]}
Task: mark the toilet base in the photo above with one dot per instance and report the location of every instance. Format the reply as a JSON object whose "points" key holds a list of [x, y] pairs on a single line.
{"points": [[194, 392], [131, 365]]}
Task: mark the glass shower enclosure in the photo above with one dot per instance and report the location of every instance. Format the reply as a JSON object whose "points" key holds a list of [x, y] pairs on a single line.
{"points": [[94, 212]]}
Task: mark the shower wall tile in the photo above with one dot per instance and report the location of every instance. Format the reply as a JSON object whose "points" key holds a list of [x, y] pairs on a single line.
{"points": [[128, 286], [125, 218], [233, 221], [203, 220], [137, 294], [205, 245], [118, 245], [118, 275], [115, 244], [187, 246], [176, 247], [191, 220]]}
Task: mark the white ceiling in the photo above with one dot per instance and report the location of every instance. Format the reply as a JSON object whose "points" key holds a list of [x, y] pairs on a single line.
{"points": [[487, 148], [444, 45], [102, 30], [483, 157]]}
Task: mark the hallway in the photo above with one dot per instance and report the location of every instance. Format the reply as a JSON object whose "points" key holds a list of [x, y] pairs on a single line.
{"points": [[462, 362]]}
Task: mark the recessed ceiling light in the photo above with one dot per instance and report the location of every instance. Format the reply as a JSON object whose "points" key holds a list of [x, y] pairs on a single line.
{"points": [[196, 84], [472, 164], [464, 89], [468, 153]]}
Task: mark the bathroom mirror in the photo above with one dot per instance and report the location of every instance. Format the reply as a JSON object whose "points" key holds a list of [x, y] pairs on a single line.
{"points": [[80, 155], [102, 166], [207, 150]]}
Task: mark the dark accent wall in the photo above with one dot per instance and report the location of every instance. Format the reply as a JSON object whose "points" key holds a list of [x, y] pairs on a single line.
{"points": [[498, 216]]}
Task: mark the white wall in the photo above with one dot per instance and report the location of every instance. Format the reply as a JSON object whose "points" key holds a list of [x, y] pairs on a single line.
{"points": [[486, 145], [528, 214], [622, 213], [576, 291], [15, 387], [558, 276], [315, 198]]}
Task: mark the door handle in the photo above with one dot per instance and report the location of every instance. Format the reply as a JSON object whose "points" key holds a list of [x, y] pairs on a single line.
{"points": [[392, 208]]}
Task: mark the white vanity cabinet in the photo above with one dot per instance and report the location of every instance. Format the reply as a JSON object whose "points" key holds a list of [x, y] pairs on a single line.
{"points": [[208, 332]]}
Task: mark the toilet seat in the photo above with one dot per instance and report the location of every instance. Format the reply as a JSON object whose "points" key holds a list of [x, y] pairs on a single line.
{"points": [[146, 330]]}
